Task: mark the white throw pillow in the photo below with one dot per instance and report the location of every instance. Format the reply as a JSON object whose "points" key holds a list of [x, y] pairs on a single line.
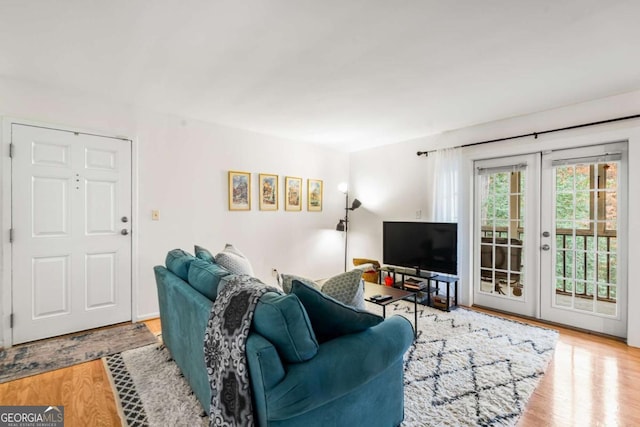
{"points": [[234, 261]]}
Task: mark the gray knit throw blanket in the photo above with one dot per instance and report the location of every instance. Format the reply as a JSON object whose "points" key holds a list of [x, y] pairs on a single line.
{"points": [[225, 351]]}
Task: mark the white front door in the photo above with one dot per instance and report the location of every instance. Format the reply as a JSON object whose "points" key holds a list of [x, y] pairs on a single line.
{"points": [[71, 208]]}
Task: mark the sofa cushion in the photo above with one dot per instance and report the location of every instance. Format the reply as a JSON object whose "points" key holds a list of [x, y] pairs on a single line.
{"points": [[283, 321], [234, 261], [331, 318], [178, 262], [203, 254], [287, 279], [344, 287], [205, 277]]}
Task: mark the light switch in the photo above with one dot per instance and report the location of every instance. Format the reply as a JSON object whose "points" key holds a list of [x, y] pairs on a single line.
{"points": [[155, 215]]}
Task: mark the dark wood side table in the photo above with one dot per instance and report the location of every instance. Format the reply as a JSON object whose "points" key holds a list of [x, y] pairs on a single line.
{"points": [[371, 289]]}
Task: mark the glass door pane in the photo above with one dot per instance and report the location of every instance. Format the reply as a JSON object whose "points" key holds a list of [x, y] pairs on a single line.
{"points": [[502, 230], [505, 266], [586, 213], [582, 216]]}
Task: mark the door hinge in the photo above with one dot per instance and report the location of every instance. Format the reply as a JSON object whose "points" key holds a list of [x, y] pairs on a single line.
{"points": [[11, 235], [11, 321], [11, 148]]}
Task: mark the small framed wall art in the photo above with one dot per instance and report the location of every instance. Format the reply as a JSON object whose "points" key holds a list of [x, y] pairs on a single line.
{"points": [[292, 193], [268, 192], [239, 191], [314, 195]]}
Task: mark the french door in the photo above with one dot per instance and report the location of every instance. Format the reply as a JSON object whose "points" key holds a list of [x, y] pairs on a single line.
{"points": [[507, 224], [550, 236], [584, 238]]}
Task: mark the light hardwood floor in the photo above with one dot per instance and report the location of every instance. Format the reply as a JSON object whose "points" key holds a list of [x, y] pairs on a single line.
{"points": [[591, 381]]}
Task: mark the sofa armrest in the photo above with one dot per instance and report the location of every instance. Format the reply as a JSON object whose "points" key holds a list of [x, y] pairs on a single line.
{"points": [[184, 313], [265, 369], [341, 365]]}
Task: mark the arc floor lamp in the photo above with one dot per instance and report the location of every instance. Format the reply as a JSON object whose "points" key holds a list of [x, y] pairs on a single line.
{"points": [[343, 224]]}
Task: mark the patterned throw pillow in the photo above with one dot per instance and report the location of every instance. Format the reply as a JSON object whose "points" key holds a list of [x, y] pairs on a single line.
{"points": [[287, 279], [234, 261], [344, 287]]}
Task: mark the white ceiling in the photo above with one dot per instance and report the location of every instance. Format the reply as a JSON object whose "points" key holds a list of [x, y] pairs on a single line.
{"points": [[351, 73]]}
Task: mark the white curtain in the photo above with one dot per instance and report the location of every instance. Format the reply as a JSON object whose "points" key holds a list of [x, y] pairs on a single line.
{"points": [[446, 187]]}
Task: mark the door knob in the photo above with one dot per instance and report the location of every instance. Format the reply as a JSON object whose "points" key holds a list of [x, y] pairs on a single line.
{"points": [[124, 219], [124, 232], [546, 247], [546, 234]]}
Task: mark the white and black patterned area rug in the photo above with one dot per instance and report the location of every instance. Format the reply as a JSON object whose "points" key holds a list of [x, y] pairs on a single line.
{"points": [[470, 369], [465, 369]]}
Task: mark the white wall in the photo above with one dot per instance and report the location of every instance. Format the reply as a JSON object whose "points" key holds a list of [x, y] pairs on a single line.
{"points": [[181, 169], [392, 182]]}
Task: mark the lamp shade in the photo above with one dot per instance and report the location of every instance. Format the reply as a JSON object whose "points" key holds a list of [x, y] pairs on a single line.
{"points": [[340, 226], [356, 204]]}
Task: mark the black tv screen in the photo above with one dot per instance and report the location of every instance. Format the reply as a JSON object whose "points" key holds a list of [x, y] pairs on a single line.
{"points": [[430, 246]]}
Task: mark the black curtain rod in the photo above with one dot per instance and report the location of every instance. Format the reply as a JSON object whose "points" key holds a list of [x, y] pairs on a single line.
{"points": [[535, 134]]}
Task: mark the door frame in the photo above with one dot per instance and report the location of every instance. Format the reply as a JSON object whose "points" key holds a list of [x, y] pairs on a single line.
{"points": [[6, 296]]}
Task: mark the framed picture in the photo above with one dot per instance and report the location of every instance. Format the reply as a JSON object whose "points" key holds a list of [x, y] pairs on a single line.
{"points": [[268, 192], [239, 191], [292, 193], [314, 195]]}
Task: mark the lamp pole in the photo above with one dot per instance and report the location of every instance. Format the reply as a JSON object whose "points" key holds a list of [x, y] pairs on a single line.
{"points": [[346, 226], [343, 225]]}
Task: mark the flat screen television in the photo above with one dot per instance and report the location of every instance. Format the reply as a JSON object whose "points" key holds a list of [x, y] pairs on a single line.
{"points": [[428, 246]]}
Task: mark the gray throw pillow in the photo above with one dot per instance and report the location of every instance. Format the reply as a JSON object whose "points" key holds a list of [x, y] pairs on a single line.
{"points": [[287, 279], [234, 261], [345, 288]]}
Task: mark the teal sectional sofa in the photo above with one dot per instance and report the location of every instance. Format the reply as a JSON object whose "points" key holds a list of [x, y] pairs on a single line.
{"points": [[297, 379]]}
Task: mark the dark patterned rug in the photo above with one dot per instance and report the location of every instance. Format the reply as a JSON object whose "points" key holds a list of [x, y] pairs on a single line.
{"points": [[465, 369], [54, 353]]}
